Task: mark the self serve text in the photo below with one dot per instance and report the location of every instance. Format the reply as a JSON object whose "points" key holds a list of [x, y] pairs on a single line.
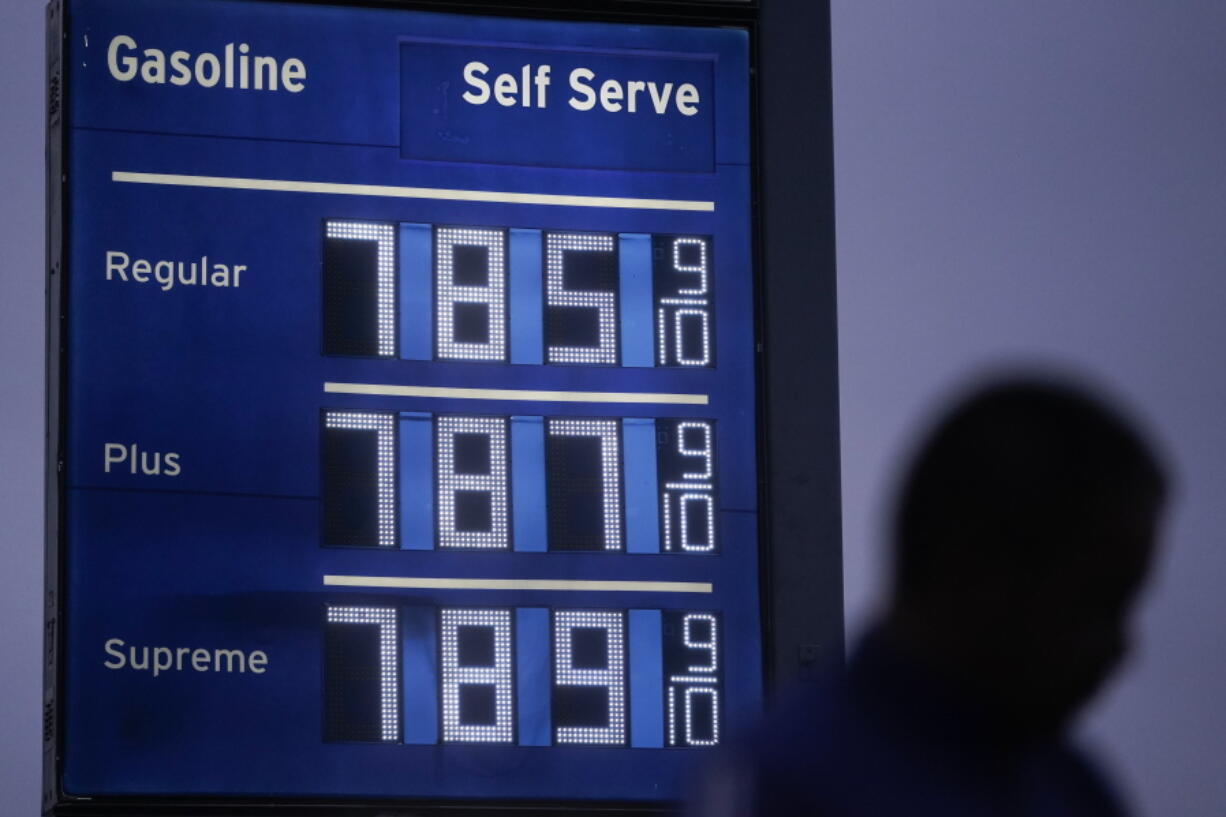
{"points": [[528, 87]]}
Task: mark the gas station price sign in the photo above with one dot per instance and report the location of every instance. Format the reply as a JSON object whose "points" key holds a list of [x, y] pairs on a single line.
{"points": [[408, 406]]}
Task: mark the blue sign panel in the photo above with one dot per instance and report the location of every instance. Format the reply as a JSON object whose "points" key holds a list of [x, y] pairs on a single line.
{"points": [[410, 381], [533, 106]]}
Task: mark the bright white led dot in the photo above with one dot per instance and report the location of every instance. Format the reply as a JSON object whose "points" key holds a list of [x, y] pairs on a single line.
{"points": [[384, 426], [389, 675], [492, 485], [492, 294], [385, 274], [557, 245], [610, 468], [662, 337], [456, 675], [672, 715], [612, 677], [666, 505]]}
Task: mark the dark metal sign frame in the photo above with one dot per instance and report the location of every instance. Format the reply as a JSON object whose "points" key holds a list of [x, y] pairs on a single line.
{"points": [[794, 255]]}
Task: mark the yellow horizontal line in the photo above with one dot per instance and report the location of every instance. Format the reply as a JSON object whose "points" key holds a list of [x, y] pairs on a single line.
{"points": [[426, 583], [389, 191], [517, 394]]}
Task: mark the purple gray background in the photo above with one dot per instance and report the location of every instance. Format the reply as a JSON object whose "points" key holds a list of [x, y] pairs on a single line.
{"points": [[1017, 181]]}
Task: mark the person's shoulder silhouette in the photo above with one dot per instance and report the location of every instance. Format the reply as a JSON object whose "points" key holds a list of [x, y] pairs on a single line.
{"points": [[1023, 531]]}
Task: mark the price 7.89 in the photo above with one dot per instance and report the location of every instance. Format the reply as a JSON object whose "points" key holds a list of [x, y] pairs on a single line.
{"points": [[533, 676]]}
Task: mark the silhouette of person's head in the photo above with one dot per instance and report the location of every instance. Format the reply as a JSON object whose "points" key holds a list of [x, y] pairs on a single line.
{"points": [[1023, 533]]}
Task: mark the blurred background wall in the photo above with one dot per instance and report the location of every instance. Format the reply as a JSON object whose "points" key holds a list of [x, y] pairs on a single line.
{"points": [[1017, 181], [1040, 180]]}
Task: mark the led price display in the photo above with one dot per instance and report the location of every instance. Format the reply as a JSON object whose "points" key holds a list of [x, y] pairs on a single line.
{"points": [[583, 700], [468, 271], [580, 460], [411, 385]]}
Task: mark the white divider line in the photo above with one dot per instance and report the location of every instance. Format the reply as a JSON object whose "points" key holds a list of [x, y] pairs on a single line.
{"points": [[389, 191], [426, 583], [517, 394]]}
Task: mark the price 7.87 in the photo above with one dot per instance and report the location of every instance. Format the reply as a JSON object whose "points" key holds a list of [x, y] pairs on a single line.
{"points": [[421, 481]]}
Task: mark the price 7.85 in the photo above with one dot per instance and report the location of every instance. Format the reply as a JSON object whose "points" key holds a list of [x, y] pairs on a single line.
{"points": [[510, 295]]}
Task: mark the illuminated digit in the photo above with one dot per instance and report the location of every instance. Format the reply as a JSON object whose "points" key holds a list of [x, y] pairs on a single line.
{"points": [[710, 644], [704, 450], [477, 676], [344, 680], [564, 493], [600, 299], [345, 491], [470, 286], [349, 285], [700, 269], [471, 457], [578, 665]]}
